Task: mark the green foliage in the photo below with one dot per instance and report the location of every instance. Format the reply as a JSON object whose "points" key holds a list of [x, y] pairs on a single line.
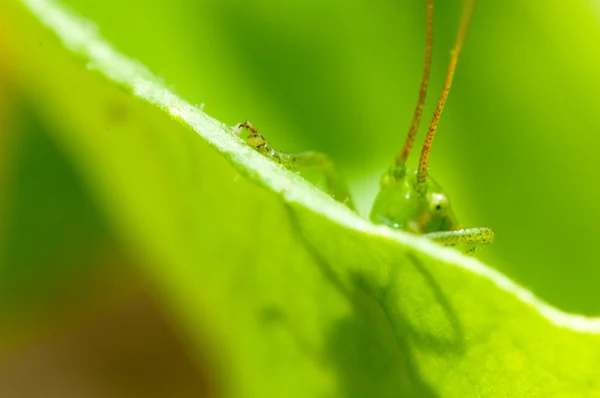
{"points": [[342, 77], [280, 290]]}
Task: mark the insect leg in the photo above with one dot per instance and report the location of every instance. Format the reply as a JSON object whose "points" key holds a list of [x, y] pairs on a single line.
{"points": [[335, 183], [466, 240], [254, 139]]}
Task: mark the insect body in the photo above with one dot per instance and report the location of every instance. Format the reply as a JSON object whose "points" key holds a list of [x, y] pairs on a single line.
{"points": [[408, 199]]}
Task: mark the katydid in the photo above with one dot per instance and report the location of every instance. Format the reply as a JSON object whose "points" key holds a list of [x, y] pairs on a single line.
{"points": [[408, 199]]}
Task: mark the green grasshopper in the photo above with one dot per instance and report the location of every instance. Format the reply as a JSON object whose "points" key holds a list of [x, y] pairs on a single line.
{"points": [[408, 199]]}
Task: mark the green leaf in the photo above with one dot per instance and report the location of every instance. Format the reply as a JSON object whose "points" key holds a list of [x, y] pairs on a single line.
{"points": [[281, 290]]}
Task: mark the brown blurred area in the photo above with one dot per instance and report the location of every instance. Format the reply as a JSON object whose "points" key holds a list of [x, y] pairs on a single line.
{"points": [[128, 350]]}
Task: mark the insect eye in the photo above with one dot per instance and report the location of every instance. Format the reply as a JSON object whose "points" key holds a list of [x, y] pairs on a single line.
{"points": [[439, 202]]}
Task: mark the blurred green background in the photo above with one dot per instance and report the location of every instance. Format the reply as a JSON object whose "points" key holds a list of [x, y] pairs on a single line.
{"points": [[517, 146]]}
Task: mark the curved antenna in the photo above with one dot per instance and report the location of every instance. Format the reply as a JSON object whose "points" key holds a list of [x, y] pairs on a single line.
{"points": [[460, 38], [414, 126]]}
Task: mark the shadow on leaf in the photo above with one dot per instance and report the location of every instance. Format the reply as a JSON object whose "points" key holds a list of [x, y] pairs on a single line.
{"points": [[373, 349]]}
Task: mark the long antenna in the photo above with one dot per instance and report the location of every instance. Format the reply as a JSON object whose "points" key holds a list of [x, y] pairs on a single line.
{"points": [[414, 126], [460, 38]]}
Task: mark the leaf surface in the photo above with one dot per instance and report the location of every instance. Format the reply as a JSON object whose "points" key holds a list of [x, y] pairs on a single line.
{"points": [[280, 289]]}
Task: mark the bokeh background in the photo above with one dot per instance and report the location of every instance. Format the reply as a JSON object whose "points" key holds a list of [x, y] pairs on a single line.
{"points": [[517, 148]]}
